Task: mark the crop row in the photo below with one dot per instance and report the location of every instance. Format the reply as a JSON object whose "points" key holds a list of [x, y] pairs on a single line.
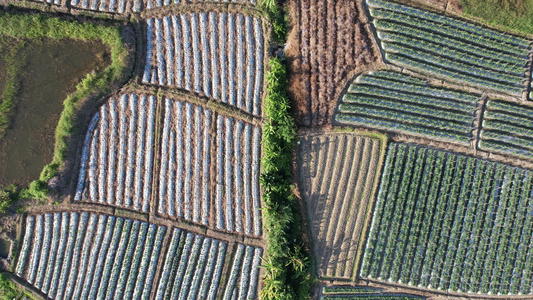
{"points": [[151, 4], [451, 48], [192, 268], [84, 255], [117, 155], [219, 55], [385, 101], [244, 273], [191, 135], [450, 222], [450, 22], [507, 128], [112, 6]]}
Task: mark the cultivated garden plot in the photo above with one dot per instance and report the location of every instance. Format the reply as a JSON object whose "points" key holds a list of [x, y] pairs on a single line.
{"points": [[396, 102], [361, 292], [110, 6], [451, 48], [194, 264], [217, 55], [210, 166], [451, 222], [117, 157], [72, 255], [507, 128], [151, 4], [193, 267], [326, 44], [338, 174]]}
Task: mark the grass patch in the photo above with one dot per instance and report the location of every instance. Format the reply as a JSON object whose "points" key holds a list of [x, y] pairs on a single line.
{"points": [[513, 15], [286, 261], [9, 291], [33, 26], [14, 65]]}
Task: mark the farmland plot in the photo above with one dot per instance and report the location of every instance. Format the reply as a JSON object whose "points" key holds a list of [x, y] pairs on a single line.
{"points": [[116, 163], [151, 4], [54, 2], [451, 48], [110, 6], [451, 222], [222, 190], [507, 128], [87, 256], [219, 55], [338, 174], [326, 44], [396, 102], [361, 292], [193, 269]]}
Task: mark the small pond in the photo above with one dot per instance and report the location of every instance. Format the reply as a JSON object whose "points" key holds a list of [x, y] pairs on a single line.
{"points": [[5, 248], [51, 71]]}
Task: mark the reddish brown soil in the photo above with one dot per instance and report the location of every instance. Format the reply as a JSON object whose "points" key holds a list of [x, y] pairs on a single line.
{"points": [[328, 43]]}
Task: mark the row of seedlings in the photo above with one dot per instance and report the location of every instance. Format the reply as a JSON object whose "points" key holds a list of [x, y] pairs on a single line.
{"points": [[361, 292], [191, 134], [397, 102], [117, 156], [109, 6], [507, 128], [74, 255], [219, 55], [151, 4], [451, 48], [193, 269], [451, 222]]}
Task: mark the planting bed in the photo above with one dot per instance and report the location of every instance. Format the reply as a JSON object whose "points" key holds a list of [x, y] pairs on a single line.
{"points": [[508, 128], [117, 156], [111, 6], [210, 169], [327, 44], [192, 268], [361, 292], [338, 176], [217, 55], [85, 255], [396, 102], [450, 48], [451, 222], [151, 4]]}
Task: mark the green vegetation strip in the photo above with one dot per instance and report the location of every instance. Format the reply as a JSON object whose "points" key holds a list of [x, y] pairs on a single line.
{"points": [[286, 262], [9, 291], [33, 26], [451, 222], [14, 62]]}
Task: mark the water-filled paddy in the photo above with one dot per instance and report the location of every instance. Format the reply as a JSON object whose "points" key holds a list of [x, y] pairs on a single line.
{"points": [[51, 70]]}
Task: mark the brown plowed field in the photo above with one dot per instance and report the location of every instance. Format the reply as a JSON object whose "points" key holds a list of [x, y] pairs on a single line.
{"points": [[327, 45]]}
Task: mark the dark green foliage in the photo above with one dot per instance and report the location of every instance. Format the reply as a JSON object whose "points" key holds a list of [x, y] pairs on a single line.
{"points": [[277, 17], [9, 291], [286, 262]]}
